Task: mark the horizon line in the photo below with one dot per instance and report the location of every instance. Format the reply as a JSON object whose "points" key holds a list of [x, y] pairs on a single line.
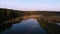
{"points": [[28, 10]]}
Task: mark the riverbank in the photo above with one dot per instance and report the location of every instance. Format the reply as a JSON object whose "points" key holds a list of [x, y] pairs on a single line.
{"points": [[12, 16]]}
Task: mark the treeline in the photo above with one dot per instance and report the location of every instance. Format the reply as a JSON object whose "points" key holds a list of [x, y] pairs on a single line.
{"points": [[7, 14]]}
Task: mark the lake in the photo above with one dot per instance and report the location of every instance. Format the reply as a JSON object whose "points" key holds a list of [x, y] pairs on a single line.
{"points": [[28, 26]]}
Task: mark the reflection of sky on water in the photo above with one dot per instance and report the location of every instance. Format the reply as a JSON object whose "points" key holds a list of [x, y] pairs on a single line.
{"points": [[29, 26], [58, 23]]}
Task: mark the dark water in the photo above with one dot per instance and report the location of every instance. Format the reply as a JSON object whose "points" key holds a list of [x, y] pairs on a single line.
{"points": [[58, 24], [29, 26]]}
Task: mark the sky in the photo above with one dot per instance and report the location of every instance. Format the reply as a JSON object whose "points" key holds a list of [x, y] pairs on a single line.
{"points": [[50, 5]]}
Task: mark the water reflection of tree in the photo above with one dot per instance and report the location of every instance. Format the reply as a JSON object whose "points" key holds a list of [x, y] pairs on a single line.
{"points": [[51, 28], [3, 27]]}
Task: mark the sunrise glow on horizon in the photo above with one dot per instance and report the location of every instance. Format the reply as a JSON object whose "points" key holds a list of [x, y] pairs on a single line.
{"points": [[49, 5]]}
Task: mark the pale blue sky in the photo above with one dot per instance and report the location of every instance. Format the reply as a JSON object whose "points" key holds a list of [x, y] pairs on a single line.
{"points": [[31, 4]]}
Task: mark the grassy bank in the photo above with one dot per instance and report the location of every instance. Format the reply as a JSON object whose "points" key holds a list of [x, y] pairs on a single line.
{"points": [[50, 28]]}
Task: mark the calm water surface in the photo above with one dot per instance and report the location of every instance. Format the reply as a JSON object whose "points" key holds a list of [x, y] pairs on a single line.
{"points": [[29, 26], [58, 24]]}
